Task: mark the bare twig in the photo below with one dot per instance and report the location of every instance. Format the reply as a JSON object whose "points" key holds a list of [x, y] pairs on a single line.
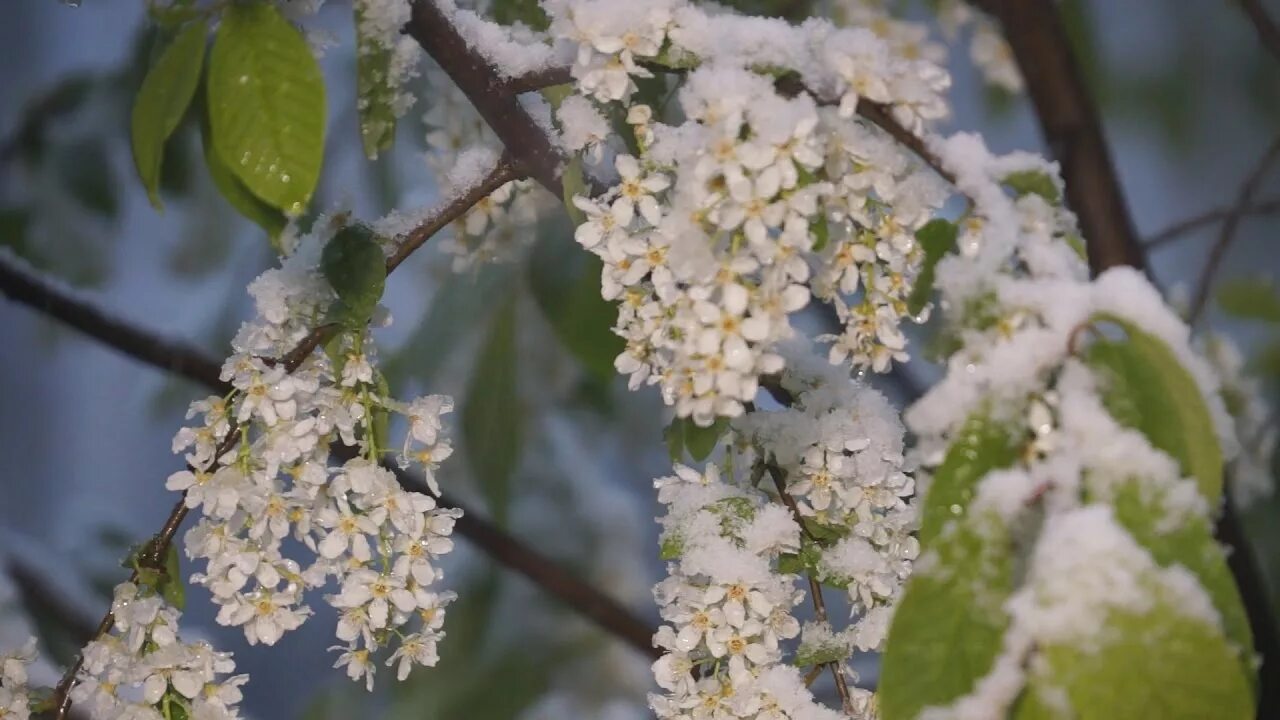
{"points": [[1263, 25], [1219, 250], [1182, 227]]}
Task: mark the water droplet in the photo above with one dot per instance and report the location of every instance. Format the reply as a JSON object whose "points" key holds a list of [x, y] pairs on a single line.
{"points": [[244, 159], [243, 79], [71, 3], [272, 168], [956, 509], [284, 177]]}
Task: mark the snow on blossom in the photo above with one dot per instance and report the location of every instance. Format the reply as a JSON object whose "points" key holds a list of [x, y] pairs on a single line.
{"points": [[358, 530]]}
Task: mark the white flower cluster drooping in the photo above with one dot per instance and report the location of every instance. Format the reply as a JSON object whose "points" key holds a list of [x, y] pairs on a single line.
{"points": [[727, 607], [498, 227], [710, 229], [142, 670], [840, 445], [728, 601], [15, 696], [388, 59], [377, 542]]}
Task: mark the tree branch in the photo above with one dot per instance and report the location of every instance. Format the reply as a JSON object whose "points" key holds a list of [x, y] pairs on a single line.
{"points": [[1263, 25], [1182, 227], [1219, 250], [1072, 129], [544, 572], [172, 357], [493, 98]]}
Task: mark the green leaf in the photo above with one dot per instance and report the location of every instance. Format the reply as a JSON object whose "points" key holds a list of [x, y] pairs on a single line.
{"points": [[233, 191], [821, 232], [670, 547], [172, 587], [266, 105], [684, 435], [381, 416], [162, 101], [1155, 664], [491, 415], [529, 12], [355, 266], [574, 184], [1034, 182], [937, 237], [1148, 389], [948, 628], [376, 90], [981, 446], [565, 281], [1141, 510], [1251, 299], [85, 169]]}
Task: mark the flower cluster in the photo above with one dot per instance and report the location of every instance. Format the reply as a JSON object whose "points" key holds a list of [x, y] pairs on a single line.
{"points": [[710, 228], [15, 697], [840, 445], [142, 669], [726, 605], [497, 228], [387, 59], [378, 542]]}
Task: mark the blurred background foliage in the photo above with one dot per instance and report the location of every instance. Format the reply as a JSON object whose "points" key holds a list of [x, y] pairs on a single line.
{"points": [[553, 446]]}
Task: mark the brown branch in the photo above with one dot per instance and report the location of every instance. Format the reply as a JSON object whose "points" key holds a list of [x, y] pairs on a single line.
{"points": [[1219, 250], [1263, 25], [493, 98], [1072, 129], [22, 285], [1182, 227], [172, 357], [542, 570]]}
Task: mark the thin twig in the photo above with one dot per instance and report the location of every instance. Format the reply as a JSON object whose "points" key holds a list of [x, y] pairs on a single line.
{"points": [[42, 295], [503, 547], [1219, 250], [1263, 25], [815, 587], [1182, 227]]}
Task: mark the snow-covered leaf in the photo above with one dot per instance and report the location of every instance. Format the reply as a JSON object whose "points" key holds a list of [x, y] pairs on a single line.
{"points": [[1189, 544], [1033, 182], [982, 445], [1154, 664], [266, 105], [937, 238], [162, 100], [948, 627], [1145, 387]]}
